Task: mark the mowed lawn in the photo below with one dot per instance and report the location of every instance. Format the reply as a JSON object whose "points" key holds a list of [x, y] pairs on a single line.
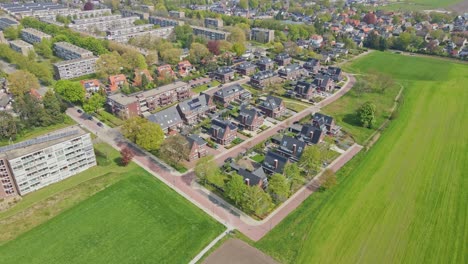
{"points": [[404, 201], [136, 220], [420, 4]]}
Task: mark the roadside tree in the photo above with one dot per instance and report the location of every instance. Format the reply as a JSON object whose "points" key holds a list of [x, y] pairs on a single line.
{"points": [[21, 82], [278, 188], [175, 149], [366, 114], [311, 159], [70, 91], [126, 156], [206, 168]]}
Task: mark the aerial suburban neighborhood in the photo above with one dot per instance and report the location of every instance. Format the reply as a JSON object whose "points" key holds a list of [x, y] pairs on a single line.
{"points": [[245, 131]]}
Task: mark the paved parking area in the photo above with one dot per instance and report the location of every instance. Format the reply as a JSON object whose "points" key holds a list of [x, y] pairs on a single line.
{"points": [[235, 251]]}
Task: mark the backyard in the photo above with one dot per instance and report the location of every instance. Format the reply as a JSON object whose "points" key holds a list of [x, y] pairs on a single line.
{"points": [[405, 199], [98, 215]]}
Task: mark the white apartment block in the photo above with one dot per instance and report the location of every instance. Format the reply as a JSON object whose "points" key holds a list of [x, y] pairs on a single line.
{"points": [[262, 35], [127, 30], [69, 51], [32, 35], [102, 23], [211, 34], [156, 33], [70, 69], [21, 47], [36, 163]]}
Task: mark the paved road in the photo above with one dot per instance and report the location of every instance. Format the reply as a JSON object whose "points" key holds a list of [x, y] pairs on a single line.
{"points": [[225, 213]]}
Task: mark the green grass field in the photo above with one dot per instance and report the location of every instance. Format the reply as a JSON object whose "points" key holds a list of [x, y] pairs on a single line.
{"points": [[122, 216], [420, 4], [404, 201]]}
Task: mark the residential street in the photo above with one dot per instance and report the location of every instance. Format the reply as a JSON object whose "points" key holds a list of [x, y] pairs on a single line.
{"points": [[225, 213]]}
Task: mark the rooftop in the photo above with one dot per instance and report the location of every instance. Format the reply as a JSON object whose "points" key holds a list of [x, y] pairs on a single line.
{"points": [[127, 99]]}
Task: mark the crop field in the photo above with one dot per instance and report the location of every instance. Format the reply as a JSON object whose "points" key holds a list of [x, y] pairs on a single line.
{"points": [[135, 220], [404, 201]]}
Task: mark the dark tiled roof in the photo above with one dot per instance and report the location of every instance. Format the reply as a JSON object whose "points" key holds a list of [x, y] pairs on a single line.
{"points": [[272, 102], [322, 119], [282, 56], [227, 91], [166, 118], [269, 162], [192, 138], [245, 65], [264, 60], [263, 75], [224, 70], [254, 177], [291, 68], [197, 104], [249, 115], [287, 146], [221, 126], [315, 130]]}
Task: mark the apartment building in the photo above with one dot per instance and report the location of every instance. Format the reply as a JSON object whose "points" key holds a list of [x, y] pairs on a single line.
{"points": [[21, 47], [6, 22], [130, 13], [211, 34], [213, 23], [69, 51], [32, 35], [163, 33], [141, 103], [21, 10], [102, 23], [127, 30], [70, 69], [33, 164], [165, 22], [177, 14], [262, 35]]}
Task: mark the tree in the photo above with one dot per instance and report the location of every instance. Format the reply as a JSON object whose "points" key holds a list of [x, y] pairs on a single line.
{"points": [[244, 4], [94, 103], [224, 46], [213, 47], [257, 201], [88, 6], [109, 64], [236, 189], [366, 114], [44, 49], [151, 58], [184, 34], [175, 149], [328, 179], [8, 125], [70, 91], [311, 159], [53, 109], [278, 188], [237, 35], [253, 4], [132, 126], [21, 82], [29, 110], [238, 48], [134, 60], [150, 136], [206, 168], [126, 156], [293, 174], [171, 56], [278, 47], [12, 33], [198, 52]]}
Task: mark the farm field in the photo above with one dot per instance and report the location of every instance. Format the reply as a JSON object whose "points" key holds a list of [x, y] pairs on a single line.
{"points": [[134, 219], [404, 201]]}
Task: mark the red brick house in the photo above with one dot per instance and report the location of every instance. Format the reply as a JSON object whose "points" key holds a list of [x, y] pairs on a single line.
{"points": [[197, 147], [231, 93], [273, 107], [165, 71], [184, 67], [250, 119], [223, 74], [223, 131], [91, 86]]}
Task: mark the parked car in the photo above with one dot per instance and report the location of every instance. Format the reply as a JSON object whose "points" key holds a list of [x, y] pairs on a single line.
{"points": [[228, 160], [89, 117], [79, 111], [100, 124]]}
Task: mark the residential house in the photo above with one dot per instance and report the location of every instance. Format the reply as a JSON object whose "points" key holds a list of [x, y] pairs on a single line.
{"points": [[292, 71], [169, 119], [316, 41], [321, 119], [264, 78], [274, 162], [193, 109], [257, 177], [197, 147], [231, 93], [273, 106], [223, 74], [313, 133], [91, 86], [116, 82], [312, 65], [246, 68], [165, 71], [335, 73], [304, 89], [223, 131], [324, 83], [184, 67], [250, 118], [291, 148], [283, 59], [139, 73], [265, 64]]}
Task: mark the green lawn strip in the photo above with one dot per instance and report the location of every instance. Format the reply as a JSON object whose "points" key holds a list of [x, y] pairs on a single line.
{"points": [[296, 107], [404, 200], [258, 158], [205, 87], [417, 5], [39, 131]]}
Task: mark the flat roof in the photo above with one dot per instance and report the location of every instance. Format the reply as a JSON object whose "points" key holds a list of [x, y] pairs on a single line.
{"points": [[71, 47], [32, 145], [66, 62], [20, 43], [210, 30], [34, 31], [126, 99]]}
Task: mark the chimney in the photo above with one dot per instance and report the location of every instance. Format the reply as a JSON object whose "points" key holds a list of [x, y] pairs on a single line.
{"points": [[294, 149], [247, 181], [276, 163], [215, 133], [244, 119], [311, 134]]}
